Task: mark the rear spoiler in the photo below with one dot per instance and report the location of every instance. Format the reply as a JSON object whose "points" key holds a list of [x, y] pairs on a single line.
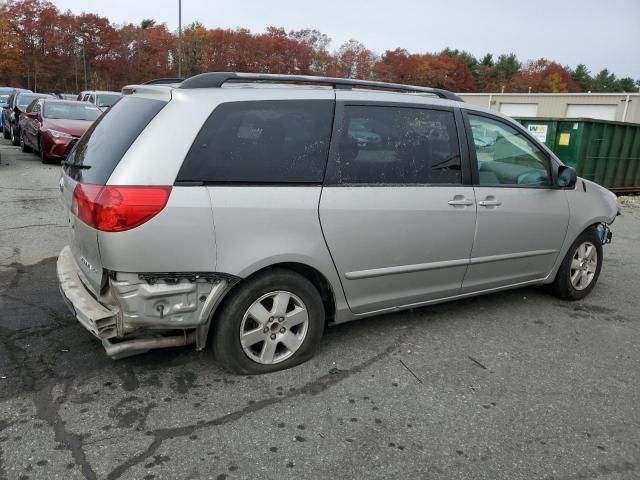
{"points": [[162, 92]]}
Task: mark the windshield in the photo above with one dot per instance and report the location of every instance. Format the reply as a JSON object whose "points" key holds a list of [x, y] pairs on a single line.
{"points": [[24, 100], [106, 100], [66, 111]]}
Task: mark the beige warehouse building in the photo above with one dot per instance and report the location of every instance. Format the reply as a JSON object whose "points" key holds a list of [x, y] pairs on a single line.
{"points": [[621, 107]]}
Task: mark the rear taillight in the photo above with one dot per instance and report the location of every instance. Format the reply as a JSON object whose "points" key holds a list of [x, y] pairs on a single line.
{"points": [[115, 208]]}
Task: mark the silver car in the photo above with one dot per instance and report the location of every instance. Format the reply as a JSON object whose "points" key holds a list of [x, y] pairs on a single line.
{"points": [[279, 205]]}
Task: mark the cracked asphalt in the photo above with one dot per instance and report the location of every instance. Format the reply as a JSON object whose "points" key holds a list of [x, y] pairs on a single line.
{"points": [[516, 385]]}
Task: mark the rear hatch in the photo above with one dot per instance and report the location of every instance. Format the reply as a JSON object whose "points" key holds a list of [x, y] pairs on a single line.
{"points": [[89, 166]]}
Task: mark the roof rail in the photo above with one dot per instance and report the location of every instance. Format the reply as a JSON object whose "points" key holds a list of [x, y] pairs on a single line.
{"points": [[217, 79], [164, 81]]}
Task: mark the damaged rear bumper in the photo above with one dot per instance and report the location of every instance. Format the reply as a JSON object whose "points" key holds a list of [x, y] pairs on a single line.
{"points": [[137, 312], [94, 316]]}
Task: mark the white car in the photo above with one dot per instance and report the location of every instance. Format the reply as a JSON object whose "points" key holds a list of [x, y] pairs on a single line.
{"points": [[101, 99]]}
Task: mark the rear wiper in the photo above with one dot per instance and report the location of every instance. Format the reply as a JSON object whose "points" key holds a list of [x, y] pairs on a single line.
{"points": [[73, 165]]}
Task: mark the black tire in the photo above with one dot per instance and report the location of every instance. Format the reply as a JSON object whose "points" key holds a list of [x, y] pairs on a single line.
{"points": [[225, 331], [5, 131], [23, 146], [43, 156], [562, 286], [15, 139]]}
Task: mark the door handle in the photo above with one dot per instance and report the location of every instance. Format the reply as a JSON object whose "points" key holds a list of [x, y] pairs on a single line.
{"points": [[489, 202], [460, 201]]}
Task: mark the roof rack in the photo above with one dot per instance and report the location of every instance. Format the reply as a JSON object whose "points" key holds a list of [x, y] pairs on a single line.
{"points": [[217, 79], [164, 81]]}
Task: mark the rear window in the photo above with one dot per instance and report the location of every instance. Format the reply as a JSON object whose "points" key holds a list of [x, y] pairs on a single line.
{"points": [[104, 144], [279, 141]]}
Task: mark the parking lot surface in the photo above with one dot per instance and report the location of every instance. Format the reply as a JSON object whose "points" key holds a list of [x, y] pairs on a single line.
{"points": [[516, 385]]}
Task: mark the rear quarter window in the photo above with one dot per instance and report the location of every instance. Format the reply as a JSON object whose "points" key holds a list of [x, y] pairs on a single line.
{"points": [[278, 141], [104, 144]]}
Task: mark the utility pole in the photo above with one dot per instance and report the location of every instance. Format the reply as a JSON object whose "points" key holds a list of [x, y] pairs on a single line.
{"points": [[179, 38]]}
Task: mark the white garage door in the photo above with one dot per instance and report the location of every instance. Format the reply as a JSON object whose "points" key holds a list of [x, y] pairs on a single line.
{"points": [[519, 109], [599, 112]]}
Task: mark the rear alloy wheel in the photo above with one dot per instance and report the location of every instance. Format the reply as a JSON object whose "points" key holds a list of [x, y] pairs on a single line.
{"points": [[580, 268], [274, 327], [270, 322]]}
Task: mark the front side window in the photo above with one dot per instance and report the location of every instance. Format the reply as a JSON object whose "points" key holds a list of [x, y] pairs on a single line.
{"points": [[397, 145], [506, 157], [262, 142]]}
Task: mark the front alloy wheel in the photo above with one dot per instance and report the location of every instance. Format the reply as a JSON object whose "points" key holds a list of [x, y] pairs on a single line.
{"points": [[580, 268], [584, 265]]}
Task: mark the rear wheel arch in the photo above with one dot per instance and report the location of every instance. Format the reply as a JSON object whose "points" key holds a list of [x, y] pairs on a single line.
{"points": [[228, 321], [317, 279]]}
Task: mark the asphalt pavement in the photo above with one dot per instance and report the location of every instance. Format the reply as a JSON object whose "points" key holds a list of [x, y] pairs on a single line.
{"points": [[515, 385]]}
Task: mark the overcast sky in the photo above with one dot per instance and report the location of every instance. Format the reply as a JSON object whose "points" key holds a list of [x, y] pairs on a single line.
{"points": [[598, 33]]}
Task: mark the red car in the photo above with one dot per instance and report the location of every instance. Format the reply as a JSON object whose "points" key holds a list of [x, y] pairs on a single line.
{"points": [[52, 127]]}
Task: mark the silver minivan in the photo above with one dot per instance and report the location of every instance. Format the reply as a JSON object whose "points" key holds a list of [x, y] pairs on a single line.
{"points": [[278, 205]]}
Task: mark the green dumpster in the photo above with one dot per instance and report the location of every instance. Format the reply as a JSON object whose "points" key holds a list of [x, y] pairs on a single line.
{"points": [[605, 152]]}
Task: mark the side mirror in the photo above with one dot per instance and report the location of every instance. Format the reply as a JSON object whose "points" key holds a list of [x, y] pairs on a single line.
{"points": [[567, 177]]}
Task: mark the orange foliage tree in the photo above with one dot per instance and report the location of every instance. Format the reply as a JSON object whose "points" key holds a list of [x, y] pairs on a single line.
{"points": [[45, 49], [544, 76]]}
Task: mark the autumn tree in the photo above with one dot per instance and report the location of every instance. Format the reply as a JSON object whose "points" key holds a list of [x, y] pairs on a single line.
{"points": [[11, 63], [354, 60], [318, 45], [48, 50], [544, 76], [440, 71], [194, 39], [467, 58], [396, 66]]}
